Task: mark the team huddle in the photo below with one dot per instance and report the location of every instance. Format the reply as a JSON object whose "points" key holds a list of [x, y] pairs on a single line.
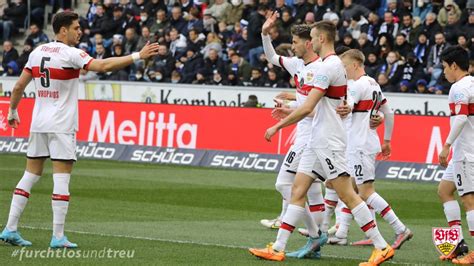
{"points": [[337, 108]]}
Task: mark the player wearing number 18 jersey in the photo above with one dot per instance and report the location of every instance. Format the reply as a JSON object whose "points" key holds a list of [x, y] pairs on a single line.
{"points": [[54, 68]]}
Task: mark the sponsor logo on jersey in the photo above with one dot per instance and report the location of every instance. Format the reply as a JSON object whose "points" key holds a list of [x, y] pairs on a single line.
{"points": [[446, 239]]}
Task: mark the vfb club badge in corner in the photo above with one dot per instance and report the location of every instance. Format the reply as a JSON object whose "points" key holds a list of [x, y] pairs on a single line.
{"points": [[446, 239]]}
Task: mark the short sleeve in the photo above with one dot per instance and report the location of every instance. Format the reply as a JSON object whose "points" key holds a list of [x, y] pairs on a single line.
{"points": [[28, 67], [289, 64], [80, 59], [321, 79], [459, 100]]}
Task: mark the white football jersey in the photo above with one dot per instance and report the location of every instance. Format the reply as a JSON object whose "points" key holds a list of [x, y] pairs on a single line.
{"points": [[461, 102], [303, 75], [55, 69], [328, 130], [361, 136]]}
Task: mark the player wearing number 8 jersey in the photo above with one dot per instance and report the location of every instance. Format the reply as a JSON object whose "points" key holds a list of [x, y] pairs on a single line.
{"points": [[461, 103], [54, 68]]}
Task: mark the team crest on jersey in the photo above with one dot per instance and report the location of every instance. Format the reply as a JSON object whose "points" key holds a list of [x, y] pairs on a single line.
{"points": [[309, 76], [446, 239]]}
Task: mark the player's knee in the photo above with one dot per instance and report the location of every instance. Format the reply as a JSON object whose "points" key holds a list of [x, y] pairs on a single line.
{"points": [[468, 202], [297, 194], [444, 194], [282, 187]]}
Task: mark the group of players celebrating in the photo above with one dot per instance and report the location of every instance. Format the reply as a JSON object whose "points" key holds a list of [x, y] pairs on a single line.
{"points": [[337, 108]]}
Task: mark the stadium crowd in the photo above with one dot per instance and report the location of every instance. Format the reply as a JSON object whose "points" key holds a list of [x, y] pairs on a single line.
{"points": [[219, 43]]}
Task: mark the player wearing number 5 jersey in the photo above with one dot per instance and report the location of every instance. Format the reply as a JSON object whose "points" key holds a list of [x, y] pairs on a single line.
{"points": [[461, 103], [54, 68], [364, 145]]}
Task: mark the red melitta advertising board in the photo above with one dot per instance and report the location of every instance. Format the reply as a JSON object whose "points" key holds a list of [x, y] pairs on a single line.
{"points": [[415, 139]]}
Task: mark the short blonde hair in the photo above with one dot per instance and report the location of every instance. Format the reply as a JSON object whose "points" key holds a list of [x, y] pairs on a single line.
{"points": [[354, 54]]}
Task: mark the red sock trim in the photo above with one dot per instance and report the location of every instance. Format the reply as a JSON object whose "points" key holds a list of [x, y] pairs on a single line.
{"points": [[60, 197], [330, 202], [287, 227], [21, 192], [384, 211], [346, 210], [454, 222], [368, 226], [316, 208]]}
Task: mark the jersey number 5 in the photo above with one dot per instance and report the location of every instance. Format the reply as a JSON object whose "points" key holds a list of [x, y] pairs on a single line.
{"points": [[44, 72]]}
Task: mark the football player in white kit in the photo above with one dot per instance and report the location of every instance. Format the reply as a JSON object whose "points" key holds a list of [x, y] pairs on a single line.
{"points": [[364, 145], [461, 103], [301, 68], [324, 157], [54, 68]]}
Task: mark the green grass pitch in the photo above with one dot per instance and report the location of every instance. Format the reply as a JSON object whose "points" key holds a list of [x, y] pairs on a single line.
{"points": [[192, 216]]}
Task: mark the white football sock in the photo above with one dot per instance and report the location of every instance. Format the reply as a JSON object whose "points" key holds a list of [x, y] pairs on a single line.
{"points": [[382, 208], [293, 215], [452, 211], [60, 203], [20, 199], [364, 219]]}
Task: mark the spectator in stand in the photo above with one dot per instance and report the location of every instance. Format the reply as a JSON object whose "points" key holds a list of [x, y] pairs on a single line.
{"points": [[434, 64], [238, 69], [252, 101], [421, 87], [130, 43], [112, 25], [9, 54], [401, 45], [320, 8], [154, 5], [373, 27], [462, 42], [219, 9], [422, 8], [254, 34], [144, 38], [389, 26], [13, 18], [161, 23], [309, 18], [193, 21], [195, 40], [129, 22], [177, 21], [384, 45], [382, 80], [406, 27], [281, 5], [364, 45], [404, 87], [469, 27], [27, 49], [452, 29], [285, 22], [350, 9], [217, 78], [213, 42], [256, 78], [449, 7], [422, 49], [145, 19], [37, 11], [412, 71], [273, 81], [359, 24], [301, 7], [209, 22], [137, 7], [96, 25], [431, 26], [100, 52], [186, 5], [211, 63], [191, 63], [392, 7], [164, 61], [122, 74], [234, 13], [177, 43], [277, 37], [392, 69], [372, 64], [92, 11], [37, 35]]}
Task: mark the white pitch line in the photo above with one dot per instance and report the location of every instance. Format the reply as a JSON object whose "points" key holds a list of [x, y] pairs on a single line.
{"points": [[191, 242]]}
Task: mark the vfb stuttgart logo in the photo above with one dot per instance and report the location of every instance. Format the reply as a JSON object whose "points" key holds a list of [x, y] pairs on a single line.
{"points": [[446, 239]]}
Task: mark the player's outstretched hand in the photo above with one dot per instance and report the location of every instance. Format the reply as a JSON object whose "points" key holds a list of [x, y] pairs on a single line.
{"points": [[344, 109], [149, 50], [386, 150], [443, 155], [375, 121], [269, 23], [286, 96], [280, 113], [270, 133], [13, 118]]}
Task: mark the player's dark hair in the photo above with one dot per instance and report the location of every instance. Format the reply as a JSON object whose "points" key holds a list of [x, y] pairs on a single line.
{"points": [[456, 54], [303, 31], [341, 49], [328, 28], [63, 19]]}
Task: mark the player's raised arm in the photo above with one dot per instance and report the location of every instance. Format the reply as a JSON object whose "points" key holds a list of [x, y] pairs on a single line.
{"points": [[270, 53], [17, 93], [116, 63]]}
